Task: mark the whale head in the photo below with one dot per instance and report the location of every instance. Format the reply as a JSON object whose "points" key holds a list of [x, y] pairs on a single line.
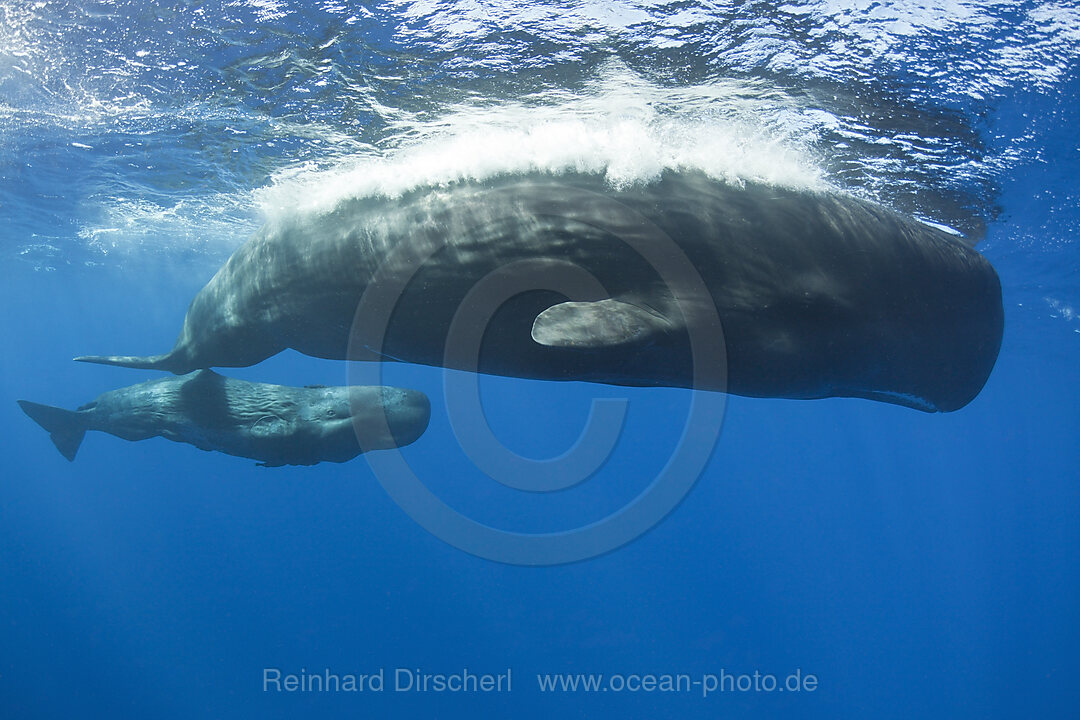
{"points": [[364, 418]]}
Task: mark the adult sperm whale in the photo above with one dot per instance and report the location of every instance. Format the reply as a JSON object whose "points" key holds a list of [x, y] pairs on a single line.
{"points": [[274, 424], [818, 294]]}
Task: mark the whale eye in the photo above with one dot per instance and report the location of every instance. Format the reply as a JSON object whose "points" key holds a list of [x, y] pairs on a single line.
{"points": [[331, 413]]}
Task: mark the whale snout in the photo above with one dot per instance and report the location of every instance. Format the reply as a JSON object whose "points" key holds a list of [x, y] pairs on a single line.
{"points": [[407, 413], [387, 417]]}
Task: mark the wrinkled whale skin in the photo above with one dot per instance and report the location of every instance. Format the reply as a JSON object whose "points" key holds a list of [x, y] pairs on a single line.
{"points": [[274, 424]]}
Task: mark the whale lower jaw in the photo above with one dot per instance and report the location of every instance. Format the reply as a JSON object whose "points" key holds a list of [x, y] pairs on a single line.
{"points": [[899, 398]]}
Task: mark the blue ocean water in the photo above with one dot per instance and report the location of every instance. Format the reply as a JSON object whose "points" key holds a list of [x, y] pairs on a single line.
{"points": [[915, 565]]}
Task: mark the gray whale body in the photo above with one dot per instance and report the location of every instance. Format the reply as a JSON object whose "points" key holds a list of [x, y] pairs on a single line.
{"points": [[274, 424], [819, 294]]}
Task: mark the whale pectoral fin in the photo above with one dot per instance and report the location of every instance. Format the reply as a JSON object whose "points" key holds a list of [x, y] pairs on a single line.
{"points": [[592, 325]]}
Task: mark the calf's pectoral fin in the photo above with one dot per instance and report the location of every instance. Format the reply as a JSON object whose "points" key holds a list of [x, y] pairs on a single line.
{"points": [[595, 325]]}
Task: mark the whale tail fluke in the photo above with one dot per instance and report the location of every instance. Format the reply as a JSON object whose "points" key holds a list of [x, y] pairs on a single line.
{"points": [[66, 428], [148, 362]]}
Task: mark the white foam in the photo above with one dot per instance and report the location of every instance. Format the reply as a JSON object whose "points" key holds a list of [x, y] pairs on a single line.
{"points": [[212, 225], [625, 129]]}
